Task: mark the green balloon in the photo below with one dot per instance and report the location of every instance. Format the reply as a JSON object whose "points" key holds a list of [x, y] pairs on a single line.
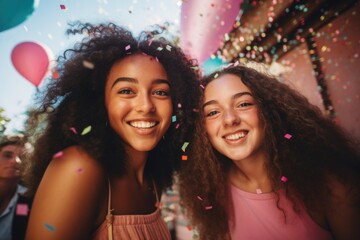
{"points": [[14, 12]]}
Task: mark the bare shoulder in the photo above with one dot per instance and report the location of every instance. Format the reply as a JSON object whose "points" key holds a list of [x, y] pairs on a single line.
{"points": [[66, 203], [343, 209]]}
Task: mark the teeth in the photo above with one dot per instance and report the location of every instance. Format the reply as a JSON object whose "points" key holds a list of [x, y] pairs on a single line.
{"points": [[142, 124], [235, 136]]}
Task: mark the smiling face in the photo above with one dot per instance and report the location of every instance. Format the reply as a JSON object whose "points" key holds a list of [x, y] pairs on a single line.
{"points": [[232, 119], [10, 161], [138, 101]]}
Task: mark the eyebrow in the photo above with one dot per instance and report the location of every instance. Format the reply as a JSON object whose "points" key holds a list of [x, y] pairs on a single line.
{"points": [[235, 96], [134, 80]]}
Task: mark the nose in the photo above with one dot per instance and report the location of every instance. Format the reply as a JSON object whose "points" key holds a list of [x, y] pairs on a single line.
{"points": [[231, 117], [145, 104]]}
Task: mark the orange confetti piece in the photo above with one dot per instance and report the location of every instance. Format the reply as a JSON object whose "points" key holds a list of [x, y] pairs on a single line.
{"points": [[184, 157], [55, 75]]}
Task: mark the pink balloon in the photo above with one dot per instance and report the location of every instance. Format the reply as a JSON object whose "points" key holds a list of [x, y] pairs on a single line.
{"points": [[203, 25], [31, 60]]}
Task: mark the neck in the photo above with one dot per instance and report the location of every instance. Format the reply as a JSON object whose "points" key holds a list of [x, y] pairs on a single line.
{"points": [[136, 165], [250, 175]]}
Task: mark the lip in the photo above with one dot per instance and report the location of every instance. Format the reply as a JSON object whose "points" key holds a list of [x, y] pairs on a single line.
{"points": [[235, 137], [143, 126]]}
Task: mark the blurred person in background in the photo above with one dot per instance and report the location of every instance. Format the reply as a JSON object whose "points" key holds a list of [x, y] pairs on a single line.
{"points": [[14, 206]]}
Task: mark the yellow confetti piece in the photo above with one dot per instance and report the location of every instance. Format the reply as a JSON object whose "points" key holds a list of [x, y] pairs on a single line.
{"points": [[86, 130], [184, 146]]}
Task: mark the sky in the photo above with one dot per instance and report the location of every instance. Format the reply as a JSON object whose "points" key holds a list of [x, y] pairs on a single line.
{"points": [[47, 25]]}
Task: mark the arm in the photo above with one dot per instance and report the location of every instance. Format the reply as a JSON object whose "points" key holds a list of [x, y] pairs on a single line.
{"points": [[67, 201], [343, 212]]}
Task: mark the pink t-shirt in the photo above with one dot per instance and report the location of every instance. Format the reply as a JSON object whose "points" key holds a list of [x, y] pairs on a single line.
{"points": [[257, 217]]}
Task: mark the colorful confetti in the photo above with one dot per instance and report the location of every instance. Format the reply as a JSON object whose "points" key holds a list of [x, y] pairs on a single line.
{"points": [[73, 130], [184, 146], [208, 207], [283, 179], [86, 130], [127, 47], [49, 227], [55, 75], [88, 64], [184, 157], [287, 136], [22, 209], [62, 7], [173, 118], [58, 154]]}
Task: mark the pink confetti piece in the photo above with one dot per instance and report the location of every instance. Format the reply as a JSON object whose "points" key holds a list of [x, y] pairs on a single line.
{"points": [[73, 130], [156, 59], [198, 197], [177, 126], [150, 42], [179, 105], [195, 110], [127, 47], [258, 191], [287, 136], [22, 209], [58, 154], [208, 207], [283, 179], [62, 7], [202, 86]]}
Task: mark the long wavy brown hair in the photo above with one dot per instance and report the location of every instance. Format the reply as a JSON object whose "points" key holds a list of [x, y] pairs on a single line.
{"points": [[318, 149], [75, 100]]}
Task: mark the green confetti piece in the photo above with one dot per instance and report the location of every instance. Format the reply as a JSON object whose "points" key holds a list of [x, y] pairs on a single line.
{"points": [[173, 118], [184, 146], [86, 130]]}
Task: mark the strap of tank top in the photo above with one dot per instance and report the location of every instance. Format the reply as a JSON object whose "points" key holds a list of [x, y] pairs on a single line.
{"points": [[109, 216], [156, 194]]}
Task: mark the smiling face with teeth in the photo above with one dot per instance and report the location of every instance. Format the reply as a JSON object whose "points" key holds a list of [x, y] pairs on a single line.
{"points": [[138, 101], [232, 120]]}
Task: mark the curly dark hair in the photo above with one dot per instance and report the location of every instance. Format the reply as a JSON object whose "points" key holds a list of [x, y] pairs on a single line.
{"points": [[75, 101], [318, 149]]}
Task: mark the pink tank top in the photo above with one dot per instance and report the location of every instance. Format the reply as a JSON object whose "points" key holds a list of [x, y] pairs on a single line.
{"points": [[257, 217], [134, 227]]}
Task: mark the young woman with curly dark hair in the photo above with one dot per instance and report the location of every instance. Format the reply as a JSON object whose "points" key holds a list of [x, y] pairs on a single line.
{"points": [[267, 164], [116, 119]]}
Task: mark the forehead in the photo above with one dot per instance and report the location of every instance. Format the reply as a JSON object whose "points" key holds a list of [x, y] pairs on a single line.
{"points": [[225, 85], [137, 65], [11, 148]]}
